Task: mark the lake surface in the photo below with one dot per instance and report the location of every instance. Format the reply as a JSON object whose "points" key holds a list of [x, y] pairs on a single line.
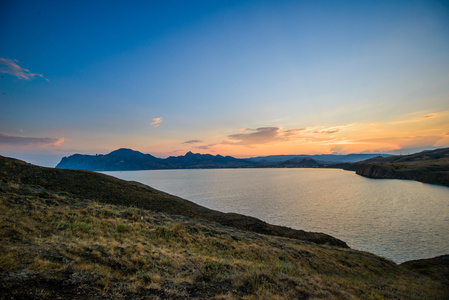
{"points": [[397, 219]]}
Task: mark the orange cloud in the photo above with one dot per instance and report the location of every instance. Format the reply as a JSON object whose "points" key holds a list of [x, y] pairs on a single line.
{"points": [[348, 138], [418, 119], [156, 122], [266, 135], [192, 142], [206, 147], [256, 136], [11, 140], [424, 132]]}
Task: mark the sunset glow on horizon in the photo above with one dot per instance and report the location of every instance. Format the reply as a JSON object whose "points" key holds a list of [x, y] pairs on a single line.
{"points": [[238, 78]]}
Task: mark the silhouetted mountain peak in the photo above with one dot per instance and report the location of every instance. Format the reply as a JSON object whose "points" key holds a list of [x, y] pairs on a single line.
{"points": [[123, 150], [127, 159]]}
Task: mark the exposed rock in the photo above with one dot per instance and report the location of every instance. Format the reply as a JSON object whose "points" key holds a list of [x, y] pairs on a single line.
{"points": [[429, 167]]}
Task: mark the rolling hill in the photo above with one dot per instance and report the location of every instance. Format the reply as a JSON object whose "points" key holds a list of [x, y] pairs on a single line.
{"points": [[428, 166], [71, 234]]}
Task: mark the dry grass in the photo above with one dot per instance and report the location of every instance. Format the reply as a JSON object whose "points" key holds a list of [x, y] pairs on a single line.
{"points": [[54, 244], [109, 190], [430, 167]]}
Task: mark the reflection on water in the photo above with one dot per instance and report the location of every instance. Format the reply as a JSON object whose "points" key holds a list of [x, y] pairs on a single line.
{"points": [[397, 219]]}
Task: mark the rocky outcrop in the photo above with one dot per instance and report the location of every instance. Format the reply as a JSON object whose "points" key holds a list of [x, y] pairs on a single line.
{"points": [[379, 171], [428, 167]]}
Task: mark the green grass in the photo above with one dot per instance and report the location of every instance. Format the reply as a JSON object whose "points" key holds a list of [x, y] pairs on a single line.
{"points": [[57, 244], [109, 190]]}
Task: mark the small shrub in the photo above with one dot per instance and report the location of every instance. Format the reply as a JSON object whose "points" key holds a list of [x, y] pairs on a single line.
{"points": [[8, 262], [192, 229], [255, 280], [122, 228], [40, 264], [44, 195], [212, 271], [146, 278], [169, 232]]}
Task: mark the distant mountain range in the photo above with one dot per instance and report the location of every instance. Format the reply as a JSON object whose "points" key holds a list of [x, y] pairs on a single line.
{"points": [[128, 160], [322, 158], [427, 166]]}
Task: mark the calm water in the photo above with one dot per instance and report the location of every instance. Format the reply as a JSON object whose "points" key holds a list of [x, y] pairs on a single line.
{"points": [[397, 219]]}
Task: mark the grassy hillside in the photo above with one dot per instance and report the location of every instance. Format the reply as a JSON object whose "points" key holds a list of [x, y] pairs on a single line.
{"points": [[429, 167], [107, 189], [58, 243]]}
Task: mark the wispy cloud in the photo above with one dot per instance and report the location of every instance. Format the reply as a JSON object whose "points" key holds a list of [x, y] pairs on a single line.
{"points": [[11, 140], [9, 66], [328, 131], [418, 130], [404, 141], [256, 136], [265, 135], [418, 119], [156, 122], [192, 142], [206, 147]]}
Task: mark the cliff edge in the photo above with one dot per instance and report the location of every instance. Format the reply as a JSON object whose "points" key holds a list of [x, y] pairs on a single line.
{"points": [[428, 167]]}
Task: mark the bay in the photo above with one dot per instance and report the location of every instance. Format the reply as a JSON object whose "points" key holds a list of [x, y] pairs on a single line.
{"points": [[397, 219]]}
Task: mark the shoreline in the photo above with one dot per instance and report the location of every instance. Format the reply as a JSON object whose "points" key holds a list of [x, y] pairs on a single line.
{"points": [[80, 234]]}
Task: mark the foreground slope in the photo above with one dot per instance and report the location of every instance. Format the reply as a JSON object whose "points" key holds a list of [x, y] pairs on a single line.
{"points": [[110, 190], [60, 244]]}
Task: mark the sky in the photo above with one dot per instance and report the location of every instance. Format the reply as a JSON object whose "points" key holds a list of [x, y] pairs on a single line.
{"points": [[239, 78]]}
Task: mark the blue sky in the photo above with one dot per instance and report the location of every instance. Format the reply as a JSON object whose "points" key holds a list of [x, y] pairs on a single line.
{"points": [[241, 78]]}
